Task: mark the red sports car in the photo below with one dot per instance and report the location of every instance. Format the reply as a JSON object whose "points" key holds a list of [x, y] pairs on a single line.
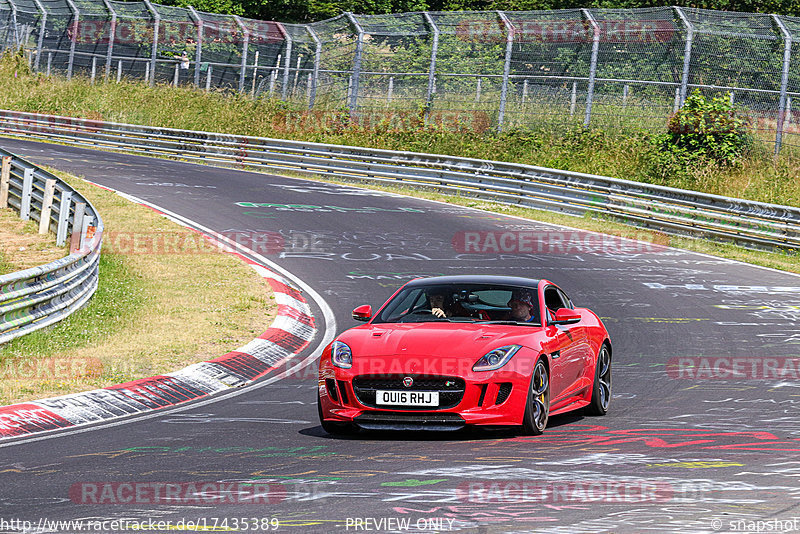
{"points": [[451, 351]]}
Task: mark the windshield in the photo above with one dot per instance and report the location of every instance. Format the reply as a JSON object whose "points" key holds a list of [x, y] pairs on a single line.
{"points": [[478, 303]]}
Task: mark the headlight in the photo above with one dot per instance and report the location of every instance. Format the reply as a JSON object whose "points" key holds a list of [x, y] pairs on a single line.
{"points": [[341, 355], [496, 359]]}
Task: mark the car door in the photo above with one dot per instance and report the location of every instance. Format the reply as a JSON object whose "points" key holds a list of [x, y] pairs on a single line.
{"points": [[569, 341]]}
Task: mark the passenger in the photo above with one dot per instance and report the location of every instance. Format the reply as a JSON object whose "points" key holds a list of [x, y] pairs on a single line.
{"points": [[521, 304]]}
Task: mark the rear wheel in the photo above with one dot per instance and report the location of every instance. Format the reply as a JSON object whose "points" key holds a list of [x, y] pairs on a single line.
{"points": [[537, 407], [601, 389], [333, 427]]}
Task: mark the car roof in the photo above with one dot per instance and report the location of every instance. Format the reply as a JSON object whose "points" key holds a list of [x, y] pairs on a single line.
{"points": [[476, 279]]}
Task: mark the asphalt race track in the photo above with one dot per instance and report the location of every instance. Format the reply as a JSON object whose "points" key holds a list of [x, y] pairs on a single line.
{"points": [[682, 449]]}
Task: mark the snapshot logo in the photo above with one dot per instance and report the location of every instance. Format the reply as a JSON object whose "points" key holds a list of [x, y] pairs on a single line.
{"points": [[568, 31], [53, 368], [527, 491], [180, 493], [525, 241], [733, 368]]}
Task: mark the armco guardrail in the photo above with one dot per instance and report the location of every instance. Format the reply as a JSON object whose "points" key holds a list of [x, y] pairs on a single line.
{"points": [[40, 296], [673, 211]]}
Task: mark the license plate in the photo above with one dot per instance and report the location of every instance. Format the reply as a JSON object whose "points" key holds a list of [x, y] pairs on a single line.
{"points": [[407, 398]]}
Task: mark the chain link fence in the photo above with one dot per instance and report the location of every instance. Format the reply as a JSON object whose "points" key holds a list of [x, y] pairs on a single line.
{"points": [[484, 70]]}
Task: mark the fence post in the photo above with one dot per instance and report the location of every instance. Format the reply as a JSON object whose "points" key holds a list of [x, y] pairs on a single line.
{"points": [[478, 90], [27, 193], [506, 69], [787, 56], [573, 99], [255, 75], [40, 42], [5, 181], [687, 52], [14, 26], [49, 63], [245, 46], [592, 67], [94, 69], [390, 91], [63, 218], [208, 78], [198, 54], [353, 104], [47, 205], [285, 83], [432, 68], [76, 15], [111, 37], [154, 53], [315, 76]]}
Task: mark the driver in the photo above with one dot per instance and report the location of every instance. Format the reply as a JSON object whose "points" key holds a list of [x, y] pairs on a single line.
{"points": [[437, 304], [442, 307], [521, 304]]}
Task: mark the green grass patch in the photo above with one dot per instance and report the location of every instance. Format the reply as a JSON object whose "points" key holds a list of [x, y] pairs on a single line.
{"points": [[152, 313]]}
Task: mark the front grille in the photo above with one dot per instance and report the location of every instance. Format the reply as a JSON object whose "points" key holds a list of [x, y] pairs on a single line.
{"points": [[409, 421], [503, 392], [451, 389]]}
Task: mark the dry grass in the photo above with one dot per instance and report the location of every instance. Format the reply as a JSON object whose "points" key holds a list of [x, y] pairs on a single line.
{"points": [[152, 314], [21, 245]]}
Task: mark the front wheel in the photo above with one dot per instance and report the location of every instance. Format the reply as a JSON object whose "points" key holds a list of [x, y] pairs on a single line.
{"points": [[537, 407], [601, 389]]}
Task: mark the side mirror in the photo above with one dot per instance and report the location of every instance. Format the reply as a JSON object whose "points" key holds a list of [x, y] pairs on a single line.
{"points": [[363, 313], [566, 316]]}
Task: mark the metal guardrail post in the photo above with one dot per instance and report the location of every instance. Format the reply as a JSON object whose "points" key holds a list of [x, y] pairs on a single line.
{"points": [[592, 66], [354, 85], [42, 30], [63, 218], [27, 195], [112, 35], [245, 46], [432, 69], [76, 15], [787, 57], [687, 52], [315, 75], [506, 69], [154, 53], [198, 53]]}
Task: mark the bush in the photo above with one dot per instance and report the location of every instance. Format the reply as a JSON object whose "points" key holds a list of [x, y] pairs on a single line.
{"points": [[709, 128]]}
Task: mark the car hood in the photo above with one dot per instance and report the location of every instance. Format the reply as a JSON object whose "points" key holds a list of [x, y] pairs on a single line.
{"points": [[435, 339]]}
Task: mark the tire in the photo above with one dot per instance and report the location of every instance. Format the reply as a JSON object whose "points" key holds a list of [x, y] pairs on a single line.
{"points": [[537, 407], [601, 387], [332, 427]]}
